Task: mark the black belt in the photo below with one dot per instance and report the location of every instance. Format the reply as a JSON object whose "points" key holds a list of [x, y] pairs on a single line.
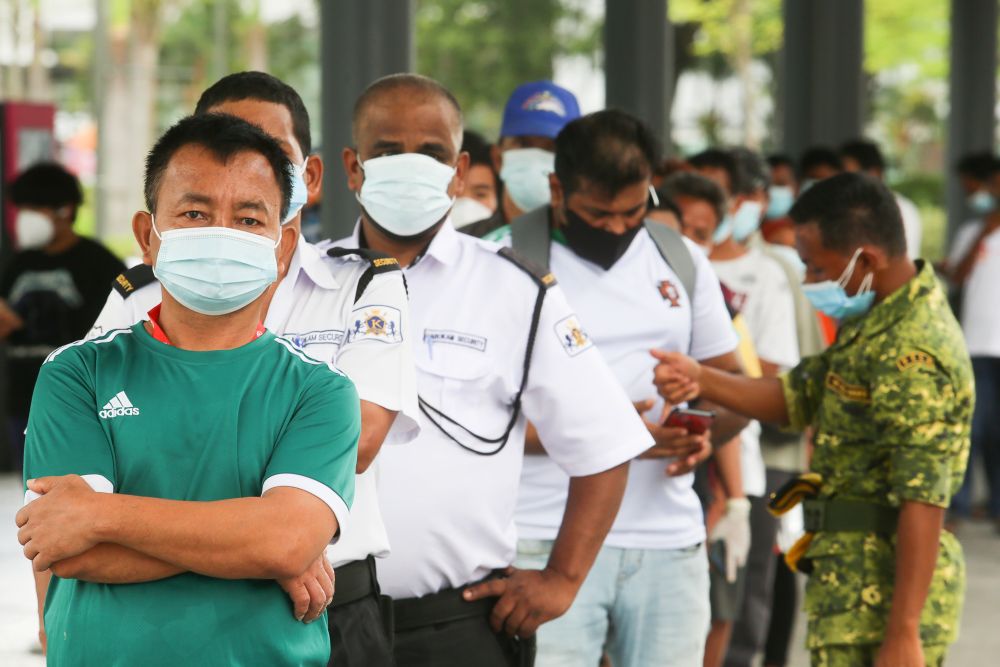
{"points": [[354, 581], [441, 607]]}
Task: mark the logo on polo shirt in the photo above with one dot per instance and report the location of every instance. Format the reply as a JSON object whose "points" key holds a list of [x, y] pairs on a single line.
{"points": [[119, 406], [572, 336], [669, 293], [381, 323]]}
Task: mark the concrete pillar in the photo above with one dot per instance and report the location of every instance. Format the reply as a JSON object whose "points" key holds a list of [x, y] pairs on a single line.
{"points": [[638, 56], [821, 84], [361, 41], [972, 83]]}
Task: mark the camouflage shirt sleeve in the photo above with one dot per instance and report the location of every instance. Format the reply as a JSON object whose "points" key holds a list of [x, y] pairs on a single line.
{"points": [[803, 388], [914, 409]]}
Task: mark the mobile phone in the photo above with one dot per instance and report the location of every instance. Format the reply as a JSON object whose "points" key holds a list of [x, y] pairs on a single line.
{"points": [[695, 421]]}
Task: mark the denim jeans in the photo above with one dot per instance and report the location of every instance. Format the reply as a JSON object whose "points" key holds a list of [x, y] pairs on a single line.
{"points": [[644, 606], [985, 437]]}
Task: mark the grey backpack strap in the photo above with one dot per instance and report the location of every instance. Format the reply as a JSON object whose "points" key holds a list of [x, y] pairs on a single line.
{"points": [[675, 252], [530, 237]]}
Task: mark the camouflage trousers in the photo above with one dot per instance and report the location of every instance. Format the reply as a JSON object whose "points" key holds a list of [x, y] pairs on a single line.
{"points": [[864, 655]]}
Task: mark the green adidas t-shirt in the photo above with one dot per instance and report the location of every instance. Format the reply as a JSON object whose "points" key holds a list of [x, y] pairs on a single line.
{"points": [[158, 421]]}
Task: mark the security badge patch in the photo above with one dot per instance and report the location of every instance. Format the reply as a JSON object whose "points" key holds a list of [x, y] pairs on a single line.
{"points": [[669, 293], [381, 323], [912, 359], [846, 390], [572, 336]]}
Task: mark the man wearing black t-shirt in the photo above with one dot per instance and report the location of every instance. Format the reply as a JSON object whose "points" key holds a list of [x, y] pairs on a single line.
{"points": [[52, 289]]}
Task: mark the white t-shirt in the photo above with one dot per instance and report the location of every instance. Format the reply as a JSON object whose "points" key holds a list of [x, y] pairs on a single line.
{"points": [[449, 511], [913, 227], [762, 294], [314, 306], [636, 305], [980, 311]]}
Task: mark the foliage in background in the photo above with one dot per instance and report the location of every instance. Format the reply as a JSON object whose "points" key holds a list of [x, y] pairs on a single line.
{"points": [[483, 49]]}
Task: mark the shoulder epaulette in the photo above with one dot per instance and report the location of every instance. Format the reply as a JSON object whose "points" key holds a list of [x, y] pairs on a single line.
{"points": [[133, 279], [542, 277], [379, 263]]}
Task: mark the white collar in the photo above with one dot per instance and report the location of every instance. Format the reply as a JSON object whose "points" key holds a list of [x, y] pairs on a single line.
{"points": [[444, 247], [309, 258]]}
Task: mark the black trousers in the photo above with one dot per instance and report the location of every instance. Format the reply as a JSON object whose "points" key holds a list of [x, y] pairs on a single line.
{"points": [[360, 620], [467, 642]]}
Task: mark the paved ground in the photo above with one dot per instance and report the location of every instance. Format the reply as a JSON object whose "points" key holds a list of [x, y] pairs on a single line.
{"points": [[979, 644]]}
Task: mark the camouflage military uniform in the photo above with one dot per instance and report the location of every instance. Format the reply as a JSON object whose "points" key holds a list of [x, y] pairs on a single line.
{"points": [[891, 401]]}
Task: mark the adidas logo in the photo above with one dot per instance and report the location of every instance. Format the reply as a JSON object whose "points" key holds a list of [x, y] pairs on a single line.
{"points": [[119, 406]]}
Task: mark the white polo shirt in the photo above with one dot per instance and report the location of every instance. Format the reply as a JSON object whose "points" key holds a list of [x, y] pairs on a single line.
{"points": [[980, 315], [763, 295], [636, 305], [450, 512], [314, 306]]}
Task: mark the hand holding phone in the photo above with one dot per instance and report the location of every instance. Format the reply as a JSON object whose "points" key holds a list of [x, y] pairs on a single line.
{"points": [[696, 422]]}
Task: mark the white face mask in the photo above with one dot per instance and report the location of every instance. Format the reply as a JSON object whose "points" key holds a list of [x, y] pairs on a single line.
{"points": [[34, 230], [468, 210], [300, 193], [406, 194], [525, 175]]}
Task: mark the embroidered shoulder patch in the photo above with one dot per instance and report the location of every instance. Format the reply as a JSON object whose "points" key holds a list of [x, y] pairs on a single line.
{"points": [[572, 336], [846, 390], [915, 358], [381, 323]]}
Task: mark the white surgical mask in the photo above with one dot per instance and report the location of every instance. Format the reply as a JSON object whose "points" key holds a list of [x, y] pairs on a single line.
{"points": [[34, 230], [300, 193], [468, 210], [525, 175], [406, 194]]}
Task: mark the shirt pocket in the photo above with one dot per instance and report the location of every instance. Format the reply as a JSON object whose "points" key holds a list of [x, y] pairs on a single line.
{"points": [[464, 385]]}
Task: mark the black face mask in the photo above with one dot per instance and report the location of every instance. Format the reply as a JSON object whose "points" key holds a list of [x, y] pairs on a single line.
{"points": [[596, 245]]}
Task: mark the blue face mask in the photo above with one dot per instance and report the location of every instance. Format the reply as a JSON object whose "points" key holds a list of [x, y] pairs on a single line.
{"points": [[981, 202], [780, 199], [724, 230], [215, 270], [300, 193], [746, 220], [831, 298], [525, 175]]}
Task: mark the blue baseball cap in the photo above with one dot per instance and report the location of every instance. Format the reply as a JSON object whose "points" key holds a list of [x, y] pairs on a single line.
{"points": [[540, 109]]}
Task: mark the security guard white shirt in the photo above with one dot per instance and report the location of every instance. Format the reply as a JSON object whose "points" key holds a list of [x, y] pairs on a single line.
{"points": [[636, 305], [450, 512], [314, 307]]}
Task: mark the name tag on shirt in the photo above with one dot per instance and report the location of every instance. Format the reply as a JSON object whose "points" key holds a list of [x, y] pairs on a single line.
{"points": [[447, 337]]}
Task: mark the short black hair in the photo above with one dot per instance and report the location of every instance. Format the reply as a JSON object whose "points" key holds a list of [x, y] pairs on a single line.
{"points": [[851, 209], [865, 152], [266, 88], [717, 158], [478, 149], [394, 82], [696, 186], [667, 203], [611, 149], [980, 166], [224, 136], [46, 185], [753, 174], [780, 160], [819, 156]]}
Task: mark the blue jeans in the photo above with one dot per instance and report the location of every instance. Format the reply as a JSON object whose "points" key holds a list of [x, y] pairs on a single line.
{"points": [[985, 437], [655, 603]]}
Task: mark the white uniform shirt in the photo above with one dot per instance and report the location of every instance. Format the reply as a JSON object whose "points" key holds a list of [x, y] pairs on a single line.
{"points": [[764, 297], [913, 226], [980, 315], [450, 512], [314, 307], [637, 305]]}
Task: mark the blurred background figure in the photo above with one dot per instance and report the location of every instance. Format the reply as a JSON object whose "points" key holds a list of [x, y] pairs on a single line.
{"points": [[482, 185], [52, 289], [781, 194], [817, 163]]}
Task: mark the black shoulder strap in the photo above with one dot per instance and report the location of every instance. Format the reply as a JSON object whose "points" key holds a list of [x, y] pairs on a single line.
{"points": [[544, 281], [675, 253], [530, 236], [379, 263], [133, 279]]}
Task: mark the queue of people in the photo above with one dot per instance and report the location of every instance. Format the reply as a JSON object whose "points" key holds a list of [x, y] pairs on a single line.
{"points": [[554, 401]]}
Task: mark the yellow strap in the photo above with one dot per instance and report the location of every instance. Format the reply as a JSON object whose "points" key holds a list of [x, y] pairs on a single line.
{"points": [[798, 550]]}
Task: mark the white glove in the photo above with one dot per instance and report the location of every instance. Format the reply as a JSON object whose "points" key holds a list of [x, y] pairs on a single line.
{"points": [[733, 529]]}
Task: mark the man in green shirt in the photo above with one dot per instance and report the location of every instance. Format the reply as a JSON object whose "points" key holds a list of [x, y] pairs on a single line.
{"points": [[891, 404], [206, 433]]}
